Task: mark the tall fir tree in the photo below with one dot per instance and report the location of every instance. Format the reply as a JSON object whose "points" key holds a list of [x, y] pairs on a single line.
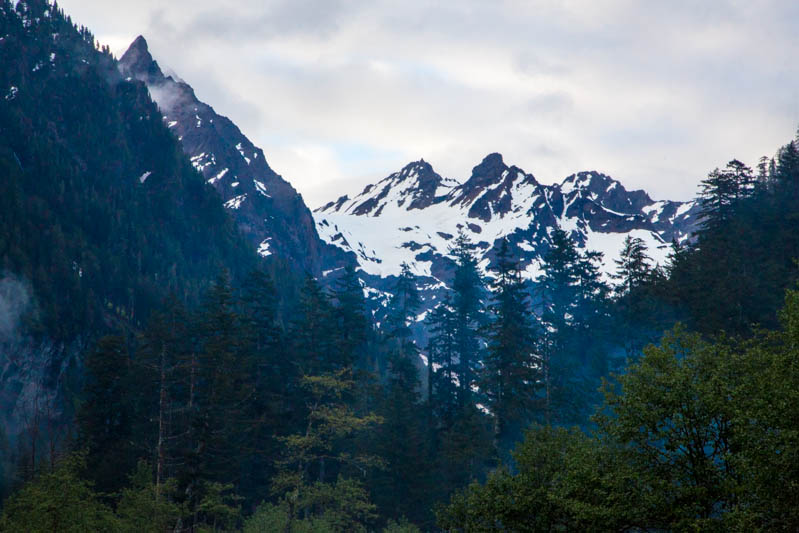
{"points": [[512, 369], [105, 418], [468, 308]]}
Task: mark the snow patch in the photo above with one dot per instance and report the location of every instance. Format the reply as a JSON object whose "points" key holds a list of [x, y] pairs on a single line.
{"points": [[218, 177], [235, 202], [263, 248], [261, 188]]}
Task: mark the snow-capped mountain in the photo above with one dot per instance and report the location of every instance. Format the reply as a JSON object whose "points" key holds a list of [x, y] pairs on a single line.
{"points": [[414, 215], [269, 211]]}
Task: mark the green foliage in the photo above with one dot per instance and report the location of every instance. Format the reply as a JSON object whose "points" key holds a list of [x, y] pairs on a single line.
{"points": [[403, 526], [145, 507], [271, 517], [58, 501], [696, 436]]}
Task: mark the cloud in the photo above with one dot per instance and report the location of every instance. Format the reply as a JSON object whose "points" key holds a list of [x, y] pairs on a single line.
{"points": [[654, 93], [15, 300]]}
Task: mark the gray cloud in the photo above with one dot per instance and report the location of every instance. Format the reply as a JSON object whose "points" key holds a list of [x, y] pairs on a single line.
{"points": [[343, 92]]}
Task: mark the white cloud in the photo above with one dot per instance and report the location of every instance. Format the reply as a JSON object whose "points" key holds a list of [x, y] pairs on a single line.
{"points": [[340, 93]]}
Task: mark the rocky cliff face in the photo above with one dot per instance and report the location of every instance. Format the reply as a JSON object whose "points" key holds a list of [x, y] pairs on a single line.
{"points": [[268, 210]]}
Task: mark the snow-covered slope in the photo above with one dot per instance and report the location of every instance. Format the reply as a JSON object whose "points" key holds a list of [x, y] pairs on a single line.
{"points": [[414, 215]]}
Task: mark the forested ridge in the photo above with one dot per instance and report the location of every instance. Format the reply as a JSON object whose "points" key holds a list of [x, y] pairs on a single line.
{"points": [[224, 393]]}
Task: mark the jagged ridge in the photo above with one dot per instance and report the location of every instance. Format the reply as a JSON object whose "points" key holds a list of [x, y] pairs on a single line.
{"points": [[421, 212], [269, 211]]}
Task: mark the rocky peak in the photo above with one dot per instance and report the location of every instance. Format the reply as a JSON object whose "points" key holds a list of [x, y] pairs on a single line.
{"points": [[488, 172], [268, 210], [491, 188], [138, 63], [605, 191], [415, 186]]}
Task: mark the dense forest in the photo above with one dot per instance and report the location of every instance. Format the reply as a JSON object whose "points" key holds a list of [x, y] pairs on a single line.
{"points": [[222, 392]]}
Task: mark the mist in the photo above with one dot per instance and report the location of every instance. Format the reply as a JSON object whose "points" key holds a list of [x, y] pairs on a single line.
{"points": [[15, 300]]}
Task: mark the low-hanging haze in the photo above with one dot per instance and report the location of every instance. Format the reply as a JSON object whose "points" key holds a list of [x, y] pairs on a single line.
{"points": [[341, 93]]}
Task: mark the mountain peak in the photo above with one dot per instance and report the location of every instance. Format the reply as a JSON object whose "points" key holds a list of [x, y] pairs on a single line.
{"points": [[139, 63], [139, 43], [490, 171], [606, 191], [491, 161]]}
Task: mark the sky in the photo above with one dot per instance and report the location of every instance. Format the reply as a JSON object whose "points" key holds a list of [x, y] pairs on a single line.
{"points": [[341, 93]]}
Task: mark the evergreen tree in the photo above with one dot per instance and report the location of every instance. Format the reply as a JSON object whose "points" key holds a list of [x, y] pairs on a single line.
{"points": [[402, 312], [442, 361], [220, 391], [314, 331], [105, 417], [635, 320], [159, 386], [721, 192], [467, 305], [512, 369], [352, 325], [558, 292], [403, 486], [267, 411], [574, 312], [632, 267], [310, 456]]}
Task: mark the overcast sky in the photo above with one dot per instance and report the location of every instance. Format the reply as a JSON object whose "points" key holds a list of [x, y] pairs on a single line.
{"points": [[341, 93]]}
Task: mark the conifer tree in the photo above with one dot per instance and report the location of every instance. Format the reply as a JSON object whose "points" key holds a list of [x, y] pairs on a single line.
{"points": [[221, 390], [105, 417], [402, 313], [402, 487], [351, 323], [161, 366], [512, 369], [632, 267], [442, 361], [722, 190], [313, 332], [310, 456], [467, 305]]}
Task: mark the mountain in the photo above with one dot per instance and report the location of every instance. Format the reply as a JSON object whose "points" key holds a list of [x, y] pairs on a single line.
{"points": [[268, 210], [413, 216]]}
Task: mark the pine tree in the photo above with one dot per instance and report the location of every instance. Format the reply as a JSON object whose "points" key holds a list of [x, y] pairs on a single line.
{"points": [[442, 361], [632, 267], [160, 367], [314, 331], [573, 300], [402, 314], [721, 192], [351, 323], [221, 390], [402, 488], [467, 305], [309, 456], [105, 417], [268, 409], [512, 369]]}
